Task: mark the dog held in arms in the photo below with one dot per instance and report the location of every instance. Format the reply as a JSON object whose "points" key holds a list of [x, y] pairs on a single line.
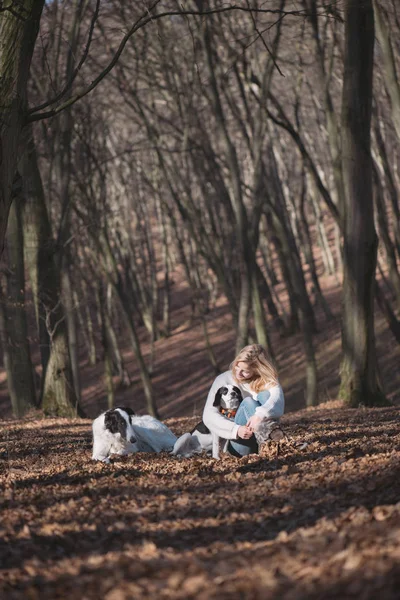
{"points": [[120, 431], [227, 399]]}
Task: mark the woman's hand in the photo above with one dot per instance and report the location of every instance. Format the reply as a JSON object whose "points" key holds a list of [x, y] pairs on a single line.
{"points": [[244, 432], [253, 423]]}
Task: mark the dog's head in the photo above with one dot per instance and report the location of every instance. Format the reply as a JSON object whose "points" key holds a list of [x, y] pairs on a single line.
{"points": [[118, 422], [228, 397]]}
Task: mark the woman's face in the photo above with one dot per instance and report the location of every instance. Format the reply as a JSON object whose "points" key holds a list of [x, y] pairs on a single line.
{"points": [[243, 371]]}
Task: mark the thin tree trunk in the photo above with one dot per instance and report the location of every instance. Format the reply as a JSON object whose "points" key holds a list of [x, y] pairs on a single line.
{"points": [[384, 305], [394, 276], [386, 167], [117, 362], [260, 321], [108, 378], [309, 257], [324, 77], [242, 225], [86, 327], [70, 314], [311, 365], [210, 351], [265, 293], [127, 303], [327, 257], [144, 373], [389, 64], [105, 338], [301, 299]]}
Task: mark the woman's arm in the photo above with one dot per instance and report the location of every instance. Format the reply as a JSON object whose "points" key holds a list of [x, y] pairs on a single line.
{"points": [[272, 403]]}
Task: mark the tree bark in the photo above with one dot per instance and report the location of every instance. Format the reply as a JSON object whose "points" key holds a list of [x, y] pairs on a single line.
{"points": [[19, 26], [16, 345], [58, 395], [71, 316], [359, 378], [389, 65]]}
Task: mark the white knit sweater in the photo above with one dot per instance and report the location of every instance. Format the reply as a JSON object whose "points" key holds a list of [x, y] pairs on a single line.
{"points": [[272, 408]]}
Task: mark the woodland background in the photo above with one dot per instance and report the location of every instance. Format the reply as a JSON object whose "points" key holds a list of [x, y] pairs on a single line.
{"points": [[195, 201], [176, 180]]}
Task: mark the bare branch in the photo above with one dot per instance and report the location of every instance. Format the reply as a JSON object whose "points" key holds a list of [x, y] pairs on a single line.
{"points": [[71, 80], [260, 35], [142, 22]]}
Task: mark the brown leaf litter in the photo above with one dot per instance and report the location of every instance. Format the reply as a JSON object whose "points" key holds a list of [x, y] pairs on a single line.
{"points": [[316, 517]]}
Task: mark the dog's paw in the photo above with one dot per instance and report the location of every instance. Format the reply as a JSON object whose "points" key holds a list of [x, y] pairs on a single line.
{"points": [[103, 459]]}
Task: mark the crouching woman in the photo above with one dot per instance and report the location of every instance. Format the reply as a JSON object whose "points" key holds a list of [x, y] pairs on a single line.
{"points": [[257, 418]]}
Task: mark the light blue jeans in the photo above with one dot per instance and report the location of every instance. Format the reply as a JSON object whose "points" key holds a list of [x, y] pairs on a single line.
{"points": [[246, 410]]}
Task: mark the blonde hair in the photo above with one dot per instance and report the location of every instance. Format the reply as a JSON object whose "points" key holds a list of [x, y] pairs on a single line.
{"points": [[256, 356]]}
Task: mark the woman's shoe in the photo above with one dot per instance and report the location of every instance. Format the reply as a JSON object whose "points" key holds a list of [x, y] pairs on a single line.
{"points": [[277, 434], [269, 431]]}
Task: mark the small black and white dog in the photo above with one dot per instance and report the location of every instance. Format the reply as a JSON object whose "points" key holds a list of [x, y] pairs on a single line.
{"points": [[120, 431], [227, 399]]}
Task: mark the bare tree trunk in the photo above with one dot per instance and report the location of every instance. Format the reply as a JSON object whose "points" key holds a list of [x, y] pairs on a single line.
{"points": [[38, 243], [210, 350], [144, 372], [86, 326], [15, 337], [386, 168], [265, 294], [128, 305], [295, 271], [309, 257], [265, 247], [389, 64], [326, 253], [108, 378], [242, 225], [324, 77], [70, 315], [359, 378], [91, 339], [58, 395], [108, 361], [260, 321], [19, 25], [384, 235], [166, 295], [391, 319], [117, 361]]}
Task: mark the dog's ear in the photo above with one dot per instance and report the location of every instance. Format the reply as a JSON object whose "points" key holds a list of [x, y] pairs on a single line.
{"points": [[128, 410], [238, 392], [220, 392], [111, 421]]}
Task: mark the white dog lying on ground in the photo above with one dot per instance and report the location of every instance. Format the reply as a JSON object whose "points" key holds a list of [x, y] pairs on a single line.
{"points": [[120, 431]]}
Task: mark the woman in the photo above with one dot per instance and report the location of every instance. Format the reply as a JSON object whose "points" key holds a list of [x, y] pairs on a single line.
{"points": [[263, 404]]}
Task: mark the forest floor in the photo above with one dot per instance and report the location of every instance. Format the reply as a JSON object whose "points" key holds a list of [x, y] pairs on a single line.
{"points": [[318, 517]]}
